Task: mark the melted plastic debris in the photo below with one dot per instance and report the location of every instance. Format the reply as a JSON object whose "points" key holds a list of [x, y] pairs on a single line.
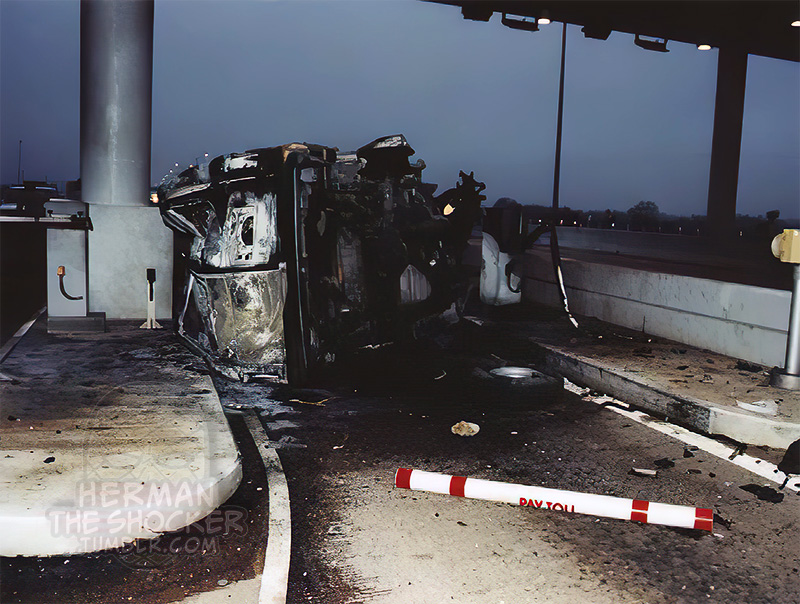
{"points": [[463, 428]]}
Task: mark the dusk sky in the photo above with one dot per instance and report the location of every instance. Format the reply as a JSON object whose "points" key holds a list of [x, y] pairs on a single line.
{"points": [[230, 76]]}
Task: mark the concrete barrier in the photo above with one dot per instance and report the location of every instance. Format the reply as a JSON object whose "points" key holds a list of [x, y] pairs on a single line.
{"points": [[737, 320]]}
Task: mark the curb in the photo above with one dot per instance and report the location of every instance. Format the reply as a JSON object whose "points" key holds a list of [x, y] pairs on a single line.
{"points": [[275, 576], [9, 346], [703, 416]]}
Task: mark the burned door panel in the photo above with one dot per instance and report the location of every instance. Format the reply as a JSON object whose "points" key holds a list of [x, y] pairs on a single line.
{"points": [[242, 321]]}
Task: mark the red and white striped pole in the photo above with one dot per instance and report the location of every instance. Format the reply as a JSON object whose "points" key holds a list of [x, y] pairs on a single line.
{"points": [[555, 499]]}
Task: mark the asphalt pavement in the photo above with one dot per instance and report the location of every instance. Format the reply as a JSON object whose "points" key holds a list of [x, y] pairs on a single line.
{"points": [[357, 538]]}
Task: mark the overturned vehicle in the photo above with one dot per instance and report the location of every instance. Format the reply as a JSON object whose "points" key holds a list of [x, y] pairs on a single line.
{"points": [[298, 253]]}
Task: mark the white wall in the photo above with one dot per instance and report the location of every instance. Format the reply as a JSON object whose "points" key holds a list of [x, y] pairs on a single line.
{"points": [[125, 242], [66, 248]]}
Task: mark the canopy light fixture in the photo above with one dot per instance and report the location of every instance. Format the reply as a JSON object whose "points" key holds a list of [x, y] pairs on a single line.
{"points": [[522, 23], [704, 47], [656, 45], [544, 18], [476, 13], [597, 32], [795, 23]]}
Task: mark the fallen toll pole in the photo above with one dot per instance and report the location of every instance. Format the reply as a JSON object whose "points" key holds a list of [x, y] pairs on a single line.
{"points": [[555, 499]]}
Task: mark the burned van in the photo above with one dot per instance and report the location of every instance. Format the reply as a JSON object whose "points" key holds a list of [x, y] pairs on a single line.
{"points": [[298, 253]]}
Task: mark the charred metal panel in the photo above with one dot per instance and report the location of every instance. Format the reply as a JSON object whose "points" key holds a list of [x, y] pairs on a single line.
{"points": [[241, 320], [299, 252]]}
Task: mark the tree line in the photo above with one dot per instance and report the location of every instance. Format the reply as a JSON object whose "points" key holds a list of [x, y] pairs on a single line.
{"points": [[645, 216]]}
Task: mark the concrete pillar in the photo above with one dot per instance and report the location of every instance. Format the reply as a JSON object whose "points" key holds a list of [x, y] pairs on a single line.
{"points": [[726, 145], [116, 93], [116, 99]]}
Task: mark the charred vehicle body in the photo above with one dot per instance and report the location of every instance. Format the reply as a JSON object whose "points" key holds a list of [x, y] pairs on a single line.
{"points": [[298, 253]]}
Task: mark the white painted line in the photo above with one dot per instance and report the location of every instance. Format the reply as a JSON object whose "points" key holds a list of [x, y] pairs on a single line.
{"points": [[275, 578], [760, 467]]}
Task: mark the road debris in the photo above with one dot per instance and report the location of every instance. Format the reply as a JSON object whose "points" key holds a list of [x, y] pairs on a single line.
{"points": [[664, 463], [556, 499], [790, 464], [765, 407], [317, 403], [287, 442], [751, 367], [643, 472], [463, 428], [739, 450], [512, 372]]}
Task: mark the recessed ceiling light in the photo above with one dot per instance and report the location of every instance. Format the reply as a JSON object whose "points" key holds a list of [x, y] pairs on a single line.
{"points": [[704, 47]]}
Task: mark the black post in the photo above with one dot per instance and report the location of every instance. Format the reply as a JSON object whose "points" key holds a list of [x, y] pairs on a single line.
{"points": [[557, 164], [554, 251]]}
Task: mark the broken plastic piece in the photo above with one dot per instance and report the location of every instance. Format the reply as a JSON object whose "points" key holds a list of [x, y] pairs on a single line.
{"points": [[643, 472]]}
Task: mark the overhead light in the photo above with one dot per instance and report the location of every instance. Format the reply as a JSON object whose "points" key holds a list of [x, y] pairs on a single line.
{"points": [[521, 23], [544, 18], [656, 45], [795, 23], [704, 47]]}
